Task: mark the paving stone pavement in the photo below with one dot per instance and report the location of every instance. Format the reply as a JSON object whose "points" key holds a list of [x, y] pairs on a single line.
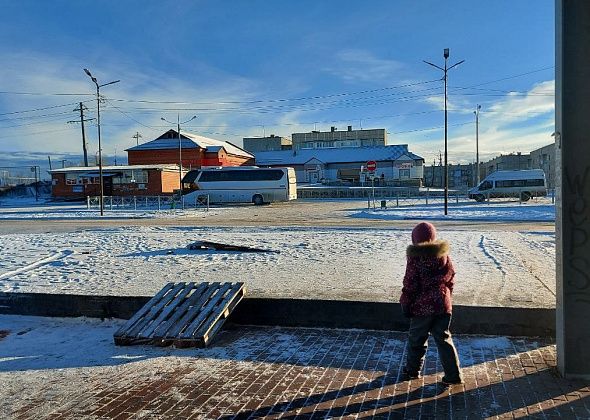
{"points": [[252, 372]]}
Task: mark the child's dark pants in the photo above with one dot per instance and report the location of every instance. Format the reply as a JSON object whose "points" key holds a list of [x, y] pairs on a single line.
{"points": [[438, 326]]}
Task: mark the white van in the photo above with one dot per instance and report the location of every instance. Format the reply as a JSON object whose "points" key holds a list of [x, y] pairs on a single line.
{"points": [[523, 184]]}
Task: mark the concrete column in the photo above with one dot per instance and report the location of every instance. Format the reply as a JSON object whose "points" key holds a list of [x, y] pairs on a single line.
{"points": [[572, 132]]}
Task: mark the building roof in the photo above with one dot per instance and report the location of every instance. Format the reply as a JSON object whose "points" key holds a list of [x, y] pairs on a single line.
{"points": [[96, 169], [190, 141], [335, 155]]}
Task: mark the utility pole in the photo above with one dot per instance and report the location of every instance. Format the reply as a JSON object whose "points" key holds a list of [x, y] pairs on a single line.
{"points": [[476, 112], [433, 169], [83, 108], [445, 78], [137, 136], [440, 166], [179, 146], [100, 177]]}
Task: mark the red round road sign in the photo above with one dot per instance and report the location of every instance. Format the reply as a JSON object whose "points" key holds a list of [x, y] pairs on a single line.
{"points": [[371, 166]]}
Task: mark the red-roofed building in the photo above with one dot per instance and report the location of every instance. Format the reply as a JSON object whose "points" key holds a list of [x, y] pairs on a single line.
{"points": [[197, 151]]}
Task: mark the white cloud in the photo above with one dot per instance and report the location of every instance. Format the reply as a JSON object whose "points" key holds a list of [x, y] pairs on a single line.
{"points": [[119, 120], [515, 123], [539, 100], [361, 66]]}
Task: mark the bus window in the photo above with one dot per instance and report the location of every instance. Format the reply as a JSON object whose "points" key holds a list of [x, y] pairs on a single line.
{"points": [[486, 185], [535, 183], [241, 175]]}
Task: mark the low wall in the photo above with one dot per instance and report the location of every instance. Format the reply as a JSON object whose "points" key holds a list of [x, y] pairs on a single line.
{"points": [[537, 322]]}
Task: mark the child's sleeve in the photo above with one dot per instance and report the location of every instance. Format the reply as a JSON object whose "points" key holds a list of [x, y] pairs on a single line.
{"points": [[451, 274], [410, 286]]}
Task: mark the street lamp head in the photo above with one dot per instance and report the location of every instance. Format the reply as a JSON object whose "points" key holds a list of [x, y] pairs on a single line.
{"points": [[479, 107], [446, 53], [91, 76]]}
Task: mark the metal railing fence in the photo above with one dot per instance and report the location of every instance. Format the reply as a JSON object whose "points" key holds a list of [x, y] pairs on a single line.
{"points": [[158, 202]]}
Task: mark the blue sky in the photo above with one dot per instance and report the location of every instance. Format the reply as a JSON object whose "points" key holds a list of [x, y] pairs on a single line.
{"points": [[248, 68]]}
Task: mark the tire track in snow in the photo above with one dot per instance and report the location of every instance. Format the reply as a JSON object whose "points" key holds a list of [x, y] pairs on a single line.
{"points": [[56, 256], [497, 263], [530, 265]]}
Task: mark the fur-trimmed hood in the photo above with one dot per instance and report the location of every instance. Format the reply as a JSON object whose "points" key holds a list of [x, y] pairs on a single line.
{"points": [[435, 249]]}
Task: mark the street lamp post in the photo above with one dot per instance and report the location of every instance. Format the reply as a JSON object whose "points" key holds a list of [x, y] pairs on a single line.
{"points": [[476, 112], [98, 86], [445, 70], [179, 145]]}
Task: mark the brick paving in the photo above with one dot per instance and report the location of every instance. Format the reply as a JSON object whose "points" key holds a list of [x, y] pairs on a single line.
{"points": [[253, 372]]}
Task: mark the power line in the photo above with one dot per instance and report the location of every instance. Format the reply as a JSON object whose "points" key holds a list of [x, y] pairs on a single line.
{"points": [[38, 109], [39, 132], [511, 77], [4, 92], [127, 115], [35, 116]]}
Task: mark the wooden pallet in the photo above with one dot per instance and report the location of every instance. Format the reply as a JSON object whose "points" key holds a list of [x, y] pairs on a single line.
{"points": [[183, 314]]}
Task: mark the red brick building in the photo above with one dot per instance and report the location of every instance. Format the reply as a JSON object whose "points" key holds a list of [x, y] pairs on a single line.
{"points": [[138, 180], [197, 151]]}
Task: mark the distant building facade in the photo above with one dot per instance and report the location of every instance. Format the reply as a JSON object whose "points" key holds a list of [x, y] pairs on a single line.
{"points": [[512, 161], [338, 138], [79, 182], [267, 144], [396, 165], [461, 177], [196, 151], [544, 158]]}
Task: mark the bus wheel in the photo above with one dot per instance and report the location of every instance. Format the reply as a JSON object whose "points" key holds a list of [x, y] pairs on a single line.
{"points": [[480, 198], [258, 200], [525, 196]]}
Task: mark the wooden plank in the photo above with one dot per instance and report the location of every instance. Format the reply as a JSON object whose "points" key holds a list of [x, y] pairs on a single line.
{"points": [[161, 331], [192, 312], [221, 311], [154, 310], [147, 332], [204, 313], [129, 341], [208, 333], [144, 310]]}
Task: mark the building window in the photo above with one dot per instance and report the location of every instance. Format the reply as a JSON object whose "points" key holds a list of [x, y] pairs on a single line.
{"points": [[131, 177], [404, 173], [72, 179]]}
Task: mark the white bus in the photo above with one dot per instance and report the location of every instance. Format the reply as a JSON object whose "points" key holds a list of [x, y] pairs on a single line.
{"points": [[240, 184], [523, 184]]}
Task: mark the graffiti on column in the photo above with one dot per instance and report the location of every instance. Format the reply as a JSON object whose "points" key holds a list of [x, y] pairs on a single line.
{"points": [[578, 212], [577, 256]]}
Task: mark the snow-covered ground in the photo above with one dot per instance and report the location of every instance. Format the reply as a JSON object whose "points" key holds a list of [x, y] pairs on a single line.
{"points": [[538, 210], [31, 209], [501, 210], [495, 268]]}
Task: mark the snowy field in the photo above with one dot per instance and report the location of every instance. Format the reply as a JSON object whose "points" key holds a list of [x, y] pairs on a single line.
{"points": [[538, 210], [495, 268], [31, 209], [354, 261], [500, 210]]}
